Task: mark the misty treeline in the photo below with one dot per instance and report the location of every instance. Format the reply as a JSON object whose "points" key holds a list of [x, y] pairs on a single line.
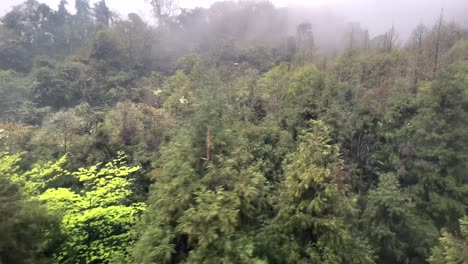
{"points": [[237, 133]]}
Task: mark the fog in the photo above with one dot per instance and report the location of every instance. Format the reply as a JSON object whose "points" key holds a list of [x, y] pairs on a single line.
{"points": [[375, 15], [271, 25], [378, 16]]}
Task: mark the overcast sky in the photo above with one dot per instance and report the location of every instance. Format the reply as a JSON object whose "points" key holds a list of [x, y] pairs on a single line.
{"points": [[376, 15]]}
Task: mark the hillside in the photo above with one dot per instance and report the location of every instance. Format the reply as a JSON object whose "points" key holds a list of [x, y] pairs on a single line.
{"points": [[230, 134]]}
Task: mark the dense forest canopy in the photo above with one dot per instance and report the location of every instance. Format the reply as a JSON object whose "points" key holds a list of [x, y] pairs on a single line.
{"points": [[236, 133]]}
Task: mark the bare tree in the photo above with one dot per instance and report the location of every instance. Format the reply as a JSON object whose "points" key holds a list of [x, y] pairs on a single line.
{"points": [[390, 40], [416, 45], [163, 9], [437, 43], [351, 38], [366, 40], [305, 42]]}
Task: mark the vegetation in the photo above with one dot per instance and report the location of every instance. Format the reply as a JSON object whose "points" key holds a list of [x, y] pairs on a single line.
{"points": [[198, 140]]}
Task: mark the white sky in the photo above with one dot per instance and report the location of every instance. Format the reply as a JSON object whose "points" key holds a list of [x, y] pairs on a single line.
{"points": [[376, 15]]}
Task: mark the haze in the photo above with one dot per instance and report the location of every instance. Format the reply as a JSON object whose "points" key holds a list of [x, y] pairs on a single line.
{"points": [[377, 16]]}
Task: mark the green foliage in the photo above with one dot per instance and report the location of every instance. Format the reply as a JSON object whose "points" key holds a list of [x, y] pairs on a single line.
{"points": [[439, 139], [106, 46], [60, 87], [248, 145], [452, 248], [97, 219], [26, 228], [177, 95], [13, 93], [314, 212], [389, 217]]}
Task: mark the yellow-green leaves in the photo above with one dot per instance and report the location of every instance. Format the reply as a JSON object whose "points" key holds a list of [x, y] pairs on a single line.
{"points": [[309, 168], [96, 219]]}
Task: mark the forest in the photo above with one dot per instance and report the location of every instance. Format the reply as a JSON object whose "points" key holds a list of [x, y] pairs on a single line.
{"points": [[229, 134]]}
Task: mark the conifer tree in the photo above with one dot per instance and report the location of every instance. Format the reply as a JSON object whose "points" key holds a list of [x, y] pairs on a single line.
{"points": [[453, 248], [389, 217], [314, 222], [440, 145]]}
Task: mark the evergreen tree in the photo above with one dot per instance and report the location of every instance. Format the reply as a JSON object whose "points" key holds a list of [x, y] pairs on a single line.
{"points": [[452, 248], [393, 226], [314, 224], [437, 174]]}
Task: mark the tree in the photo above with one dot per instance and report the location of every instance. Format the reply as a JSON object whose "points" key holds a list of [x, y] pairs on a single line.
{"points": [[137, 41], [437, 40], [25, 226], [202, 209], [438, 143], [305, 43], [391, 38], [163, 9], [313, 222], [102, 14], [301, 97], [389, 217], [13, 93], [97, 219], [453, 248], [62, 127], [33, 24], [61, 86], [416, 45], [13, 55], [81, 23], [271, 86], [61, 30]]}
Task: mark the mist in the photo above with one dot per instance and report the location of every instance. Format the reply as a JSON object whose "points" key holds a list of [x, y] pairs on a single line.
{"points": [[378, 16]]}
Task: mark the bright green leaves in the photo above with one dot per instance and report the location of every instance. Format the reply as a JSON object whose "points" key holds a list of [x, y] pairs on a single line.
{"points": [[98, 219], [309, 168], [40, 177], [26, 228], [106, 185]]}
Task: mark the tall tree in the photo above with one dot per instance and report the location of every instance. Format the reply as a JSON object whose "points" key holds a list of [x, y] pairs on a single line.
{"points": [[82, 22], [389, 217], [313, 222], [439, 143], [438, 37], [102, 15], [305, 43], [416, 45], [391, 38], [163, 9]]}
